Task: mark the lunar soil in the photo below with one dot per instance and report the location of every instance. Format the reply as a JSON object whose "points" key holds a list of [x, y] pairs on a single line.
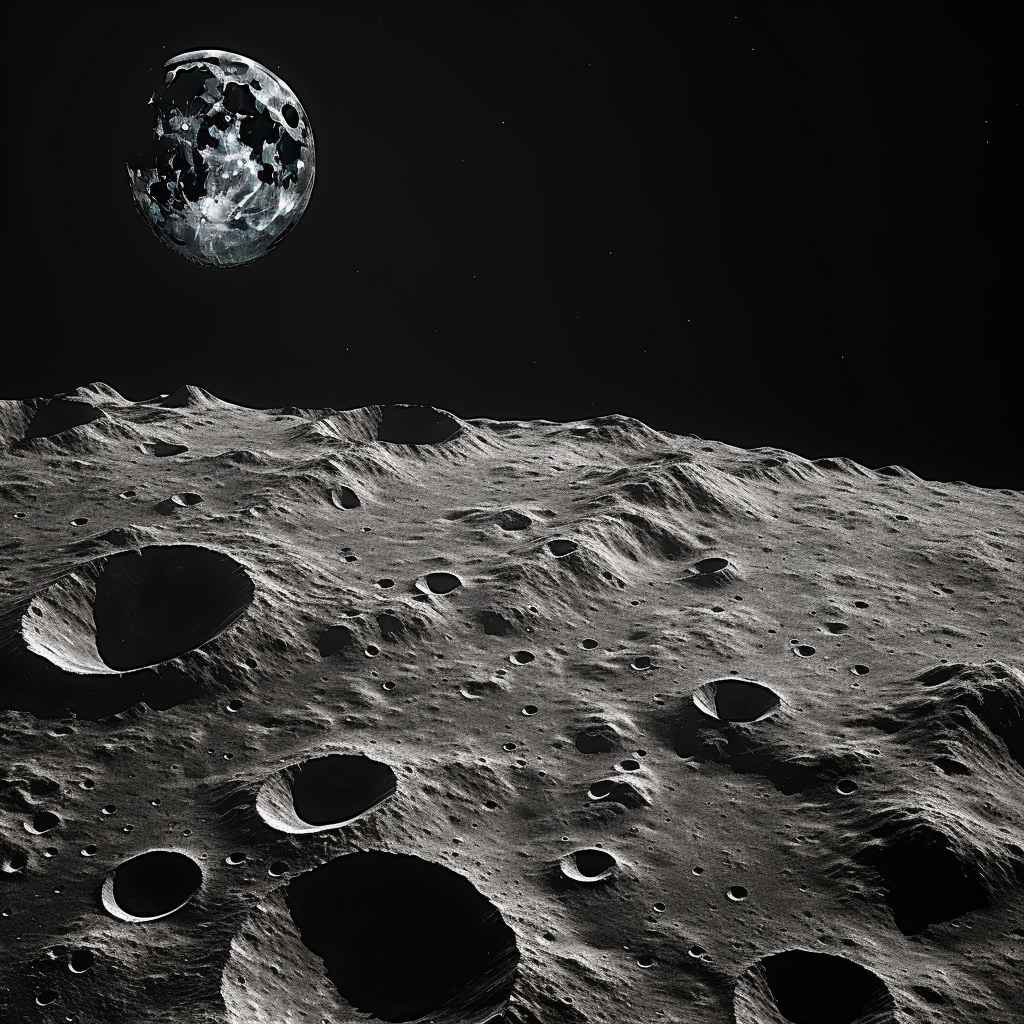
{"points": [[327, 716]]}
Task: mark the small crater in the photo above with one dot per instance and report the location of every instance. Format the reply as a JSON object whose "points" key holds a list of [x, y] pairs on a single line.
{"points": [[561, 548], [234, 858], [628, 765], [645, 961], [660, 908], [597, 740], [277, 869], [128, 494], [80, 521], [588, 865], [234, 705], [708, 566], [928, 994], [803, 650], [846, 786], [511, 521], [324, 793], [46, 997], [371, 650], [162, 450], [737, 893], [42, 822], [530, 709], [521, 657], [736, 700], [385, 583], [344, 497], [438, 583], [89, 851], [151, 885], [640, 663], [186, 498], [860, 604], [836, 627], [948, 766], [588, 644], [860, 670], [81, 960], [599, 790], [335, 639]]}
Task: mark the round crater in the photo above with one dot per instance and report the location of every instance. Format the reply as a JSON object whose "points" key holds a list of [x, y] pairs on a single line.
{"points": [[598, 739], [151, 885], [860, 670], [344, 497], [803, 650], [80, 521], [81, 960], [42, 822], [324, 793], [136, 609], [403, 939], [737, 893], [521, 657], [736, 700], [59, 415], [811, 988], [186, 498], [588, 865], [588, 644], [846, 786], [162, 449], [707, 566], [416, 424], [561, 548], [641, 663], [438, 583]]}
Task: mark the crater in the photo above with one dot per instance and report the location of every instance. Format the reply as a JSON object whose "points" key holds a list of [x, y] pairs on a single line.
{"points": [[447, 952], [161, 449], [42, 822], [597, 739], [324, 793], [438, 583], [151, 885], [136, 609], [59, 415], [521, 657], [712, 572], [186, 498], [335, 639], [588, 865], [416, 424], [736, 700], [811, 988], [344, 497], [561, 548]]}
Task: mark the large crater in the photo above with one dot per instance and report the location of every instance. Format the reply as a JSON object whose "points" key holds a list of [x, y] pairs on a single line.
{"points": [[135, 609], [403, 939]]}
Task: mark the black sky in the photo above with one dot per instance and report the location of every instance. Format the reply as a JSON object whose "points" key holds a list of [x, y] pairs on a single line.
{"points": [[785, 224]]}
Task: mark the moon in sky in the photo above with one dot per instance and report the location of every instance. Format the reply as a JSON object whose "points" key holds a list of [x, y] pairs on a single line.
{"points": [[230, 167]]}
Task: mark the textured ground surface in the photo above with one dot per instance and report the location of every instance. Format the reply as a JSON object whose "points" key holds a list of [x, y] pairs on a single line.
{"points": [[559, 722]]}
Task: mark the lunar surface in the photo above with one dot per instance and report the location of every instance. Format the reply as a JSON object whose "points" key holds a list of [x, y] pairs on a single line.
{"points": [[325, 716], [230, 166]]}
